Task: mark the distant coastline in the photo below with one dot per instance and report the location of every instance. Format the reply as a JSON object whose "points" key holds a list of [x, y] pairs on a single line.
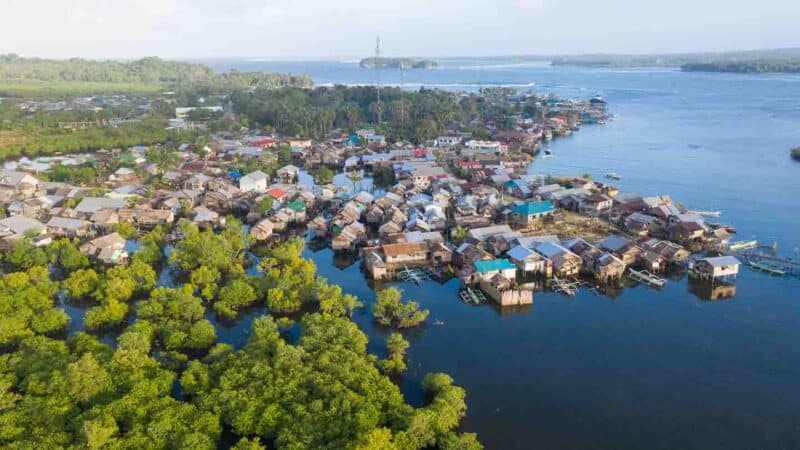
{"points": [[750, 61], [397, 63], [745, 66]]}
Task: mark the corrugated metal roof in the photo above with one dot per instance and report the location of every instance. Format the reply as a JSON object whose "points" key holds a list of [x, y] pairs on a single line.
{"points": [[495, 264], [533, 208], [722, 261]]}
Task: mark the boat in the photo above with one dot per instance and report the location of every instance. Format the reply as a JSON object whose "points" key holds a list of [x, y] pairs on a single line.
{"points": [[742, 245], [718, 226], [438, 322], [644, 276], [613, 176], [470, 295], [547, 153], [707, 213]]}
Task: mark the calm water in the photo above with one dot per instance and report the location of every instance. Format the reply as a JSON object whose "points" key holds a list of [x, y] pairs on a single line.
{"points": [[645, 369]]}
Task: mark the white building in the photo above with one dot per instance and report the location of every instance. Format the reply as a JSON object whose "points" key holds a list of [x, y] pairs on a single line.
{"points": [[448, 141], [376, 139], [473, 147], [254, 181]]}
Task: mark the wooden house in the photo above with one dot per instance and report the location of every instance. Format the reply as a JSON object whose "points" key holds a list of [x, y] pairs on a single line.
{"points": [[67, 227], [262, 230], [146, 217], [595, 205], [405, 254], [716, 268], [621, 247], [349, 237], [501, 290], [565, 262], [318, 227], [108, 249], [530, 262]]}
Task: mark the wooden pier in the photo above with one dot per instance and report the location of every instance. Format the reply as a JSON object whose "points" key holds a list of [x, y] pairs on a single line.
{"points": [[767, 267], [646, 277], [774, 265], [470, 295]]}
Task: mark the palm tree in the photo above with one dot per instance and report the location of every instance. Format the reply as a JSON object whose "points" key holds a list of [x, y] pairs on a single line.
{"points": [[164, 158], [460, 233], [354, 176]]}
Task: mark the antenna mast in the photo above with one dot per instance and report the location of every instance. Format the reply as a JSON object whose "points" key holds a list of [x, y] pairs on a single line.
{"points": [[378, 68], [402, 94]]}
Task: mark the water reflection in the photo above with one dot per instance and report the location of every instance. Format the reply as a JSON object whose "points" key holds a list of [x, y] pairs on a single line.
{"points": [[706, 290]]}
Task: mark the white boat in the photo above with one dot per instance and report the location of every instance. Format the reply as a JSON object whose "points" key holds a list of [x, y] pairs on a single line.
{"points": [[613, 176], [707, 213], [742, 245]]}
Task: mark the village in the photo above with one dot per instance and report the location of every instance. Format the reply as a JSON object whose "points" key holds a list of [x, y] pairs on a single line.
{"points": [[454, 206]]}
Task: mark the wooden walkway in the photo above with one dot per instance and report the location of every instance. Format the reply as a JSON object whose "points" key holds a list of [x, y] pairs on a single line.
{"points": [[767, 267], [774, 265]]}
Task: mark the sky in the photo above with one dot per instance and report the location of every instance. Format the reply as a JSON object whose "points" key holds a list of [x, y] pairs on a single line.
{"points": [[334, 29]]}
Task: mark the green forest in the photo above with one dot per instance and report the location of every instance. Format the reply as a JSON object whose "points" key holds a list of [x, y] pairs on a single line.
{"points": [[146, 71], [35, 77], [414, 116], [165, 382], [745, 66]]}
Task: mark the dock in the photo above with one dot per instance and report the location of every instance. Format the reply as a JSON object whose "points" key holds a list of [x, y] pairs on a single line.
{"points": [[646, 277], [470, 295], [767, 267], [773, 265]]}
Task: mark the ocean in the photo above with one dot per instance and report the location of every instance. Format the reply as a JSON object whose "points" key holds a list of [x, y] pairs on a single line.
{"points": [[640, 368]]}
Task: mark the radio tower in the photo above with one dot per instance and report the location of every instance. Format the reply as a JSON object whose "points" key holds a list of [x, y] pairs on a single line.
{"points": [[402, 96], [378, 68]]}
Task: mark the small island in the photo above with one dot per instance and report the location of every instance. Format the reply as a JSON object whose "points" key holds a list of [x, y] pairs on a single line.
{"points": [[397, 63], [795, 152]]}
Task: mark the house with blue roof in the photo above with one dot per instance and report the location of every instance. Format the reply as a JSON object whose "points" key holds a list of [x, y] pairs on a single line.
{"points": [[485, 270], [517, 188], [527, 213], [530, 262]]}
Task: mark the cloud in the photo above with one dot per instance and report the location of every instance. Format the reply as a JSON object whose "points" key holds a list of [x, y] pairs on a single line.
{"points": [[347, 28]]}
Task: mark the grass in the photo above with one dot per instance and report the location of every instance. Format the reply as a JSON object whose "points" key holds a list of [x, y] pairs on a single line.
{"points": [[8, 138], [43, 89]]}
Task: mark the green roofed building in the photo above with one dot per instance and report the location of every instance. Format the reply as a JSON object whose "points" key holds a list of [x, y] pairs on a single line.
{"points": [[296, 210], [296, 205], [488, 269]]}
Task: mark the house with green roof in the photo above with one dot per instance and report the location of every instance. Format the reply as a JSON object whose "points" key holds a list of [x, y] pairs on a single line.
{"points": [[485, 270], [296, 210], [527, 213]]}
